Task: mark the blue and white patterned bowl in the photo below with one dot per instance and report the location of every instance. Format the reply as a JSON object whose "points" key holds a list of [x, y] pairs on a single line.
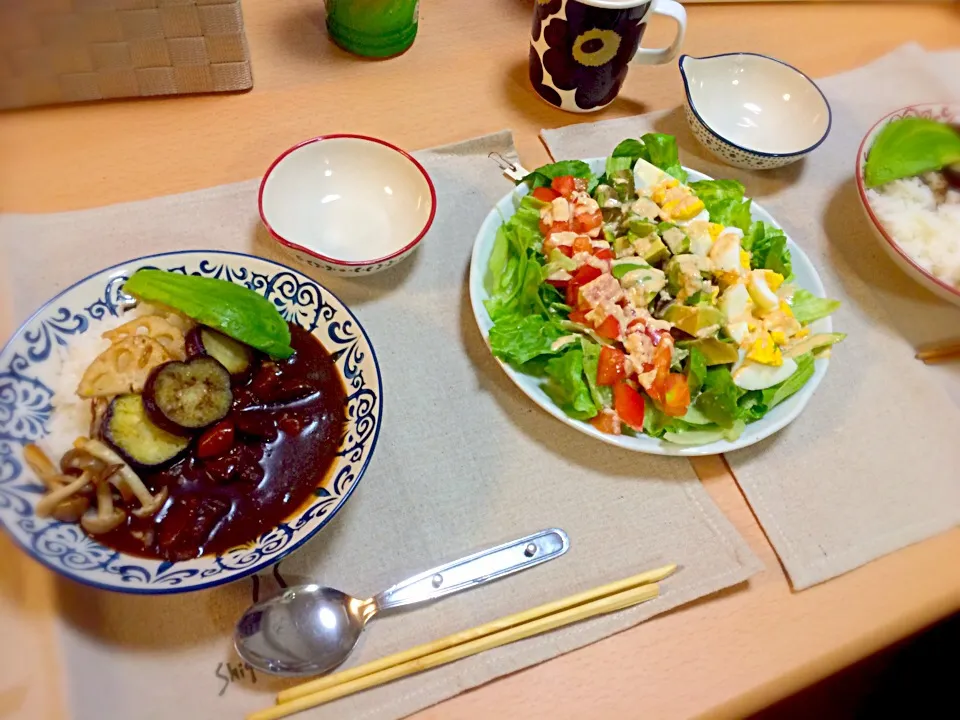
{"points": [[29, 366], [753, 111]]}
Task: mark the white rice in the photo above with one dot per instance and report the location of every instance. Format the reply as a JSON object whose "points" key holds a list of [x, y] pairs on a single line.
{"points": [[929, 234], [71, 413]]}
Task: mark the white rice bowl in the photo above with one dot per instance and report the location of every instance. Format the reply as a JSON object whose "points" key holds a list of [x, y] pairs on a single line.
{"points": [[929, 234]]}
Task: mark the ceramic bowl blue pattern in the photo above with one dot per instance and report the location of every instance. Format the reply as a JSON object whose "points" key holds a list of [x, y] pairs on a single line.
{"points": [[28, 368]]}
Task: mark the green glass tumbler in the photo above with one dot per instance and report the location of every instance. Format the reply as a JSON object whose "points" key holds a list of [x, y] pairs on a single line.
{"points": [[373, 28]]}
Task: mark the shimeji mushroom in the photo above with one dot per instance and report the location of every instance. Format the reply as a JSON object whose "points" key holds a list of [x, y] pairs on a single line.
{"points": [[75, 462], [71, 509], [72, 506], [49, 502], [106, 517], [125, 477], [43, 467]]}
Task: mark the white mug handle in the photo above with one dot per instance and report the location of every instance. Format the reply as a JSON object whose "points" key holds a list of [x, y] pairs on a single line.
{"points": [[659, 56]]}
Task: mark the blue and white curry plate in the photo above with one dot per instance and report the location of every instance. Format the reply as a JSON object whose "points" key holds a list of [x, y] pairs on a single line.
{"points": [[29, 367]]}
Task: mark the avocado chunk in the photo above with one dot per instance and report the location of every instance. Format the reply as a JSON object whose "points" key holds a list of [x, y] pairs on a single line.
{"points": [[652, 249], [641, 227], [622, 268], [622, 181], [716, 352], [814, 342], [606, 196], [676, 240], [692, 319]]}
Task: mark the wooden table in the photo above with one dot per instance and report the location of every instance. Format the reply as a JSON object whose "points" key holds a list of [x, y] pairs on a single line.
{"points": [[465, 76]]}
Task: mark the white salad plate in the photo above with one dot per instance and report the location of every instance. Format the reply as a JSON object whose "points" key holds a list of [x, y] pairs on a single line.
{"points": [[40, 350], [779, 417]]}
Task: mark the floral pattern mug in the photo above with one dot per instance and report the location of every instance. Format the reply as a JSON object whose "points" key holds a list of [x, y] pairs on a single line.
{"points": [[580, 49]]}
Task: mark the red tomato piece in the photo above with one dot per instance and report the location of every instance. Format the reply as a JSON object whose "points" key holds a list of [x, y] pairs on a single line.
{"points": [[609, 328], [606, 422], [585, 222], [564, 185], [582, 244], [560, 285], [612, 366], [579, 316], [628, 404], [676, 395], [661, 361], [544, 228], [560, 226], [566, 250], [545, 194], [573, 294], [586, 273], [604, 254]]}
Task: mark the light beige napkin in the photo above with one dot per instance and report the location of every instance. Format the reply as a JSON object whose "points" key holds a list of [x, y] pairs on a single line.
{"points": [[464, 461], [873, 464]]}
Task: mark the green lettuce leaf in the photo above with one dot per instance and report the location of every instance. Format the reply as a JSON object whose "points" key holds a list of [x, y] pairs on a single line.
{"points": [[807, 307], [630, 148], [751, 407], [658, 149], [724, 200], [543, 176], [567, 386], [778, 393], [519, 339], [718, 397], [615, 164], [768, 248], [514, 273], [696, 371], [602, 395], [910, 146], [662, 152], [656, 422]]}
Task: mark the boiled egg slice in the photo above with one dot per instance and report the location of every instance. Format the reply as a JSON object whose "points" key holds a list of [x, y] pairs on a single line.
{"points": [[755, 376]]}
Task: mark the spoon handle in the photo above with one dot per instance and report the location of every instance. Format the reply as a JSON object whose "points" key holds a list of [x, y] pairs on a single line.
{"points": [[475, 569]]}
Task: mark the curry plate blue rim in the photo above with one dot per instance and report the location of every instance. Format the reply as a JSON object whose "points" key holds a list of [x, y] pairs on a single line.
{"points": [[26, 410], [693, 107]]}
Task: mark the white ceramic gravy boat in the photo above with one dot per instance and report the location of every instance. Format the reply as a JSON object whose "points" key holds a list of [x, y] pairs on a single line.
{"points": [[753, 111]]}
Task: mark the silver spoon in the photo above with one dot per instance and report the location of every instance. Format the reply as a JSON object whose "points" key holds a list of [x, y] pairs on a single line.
{"points": [[311, 629]]}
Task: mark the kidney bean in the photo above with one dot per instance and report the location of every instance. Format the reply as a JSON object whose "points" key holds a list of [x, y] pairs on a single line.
{"points": [[266, 382], [217, 440]]}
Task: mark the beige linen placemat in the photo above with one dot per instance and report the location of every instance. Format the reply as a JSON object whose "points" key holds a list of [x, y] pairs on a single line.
{"points": [[464, 461], [873, 464]]}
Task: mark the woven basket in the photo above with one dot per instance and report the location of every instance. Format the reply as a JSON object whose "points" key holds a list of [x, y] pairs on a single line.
{"points": [[60, 51]]}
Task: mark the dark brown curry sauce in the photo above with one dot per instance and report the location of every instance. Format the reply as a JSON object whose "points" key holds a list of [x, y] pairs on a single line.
{"points": [[288, 419]]}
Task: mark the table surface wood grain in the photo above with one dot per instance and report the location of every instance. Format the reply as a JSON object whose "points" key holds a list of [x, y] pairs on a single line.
{"points": [[465, 76]]}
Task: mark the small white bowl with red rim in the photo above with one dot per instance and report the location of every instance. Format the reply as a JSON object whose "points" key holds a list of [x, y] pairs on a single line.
{"points": [[942, 112], [347, 203]]}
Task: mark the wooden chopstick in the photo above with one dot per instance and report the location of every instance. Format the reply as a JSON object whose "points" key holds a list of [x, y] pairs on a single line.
{"points": [[611, 603], [939, 353], [605, 599], [313, 686]]}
